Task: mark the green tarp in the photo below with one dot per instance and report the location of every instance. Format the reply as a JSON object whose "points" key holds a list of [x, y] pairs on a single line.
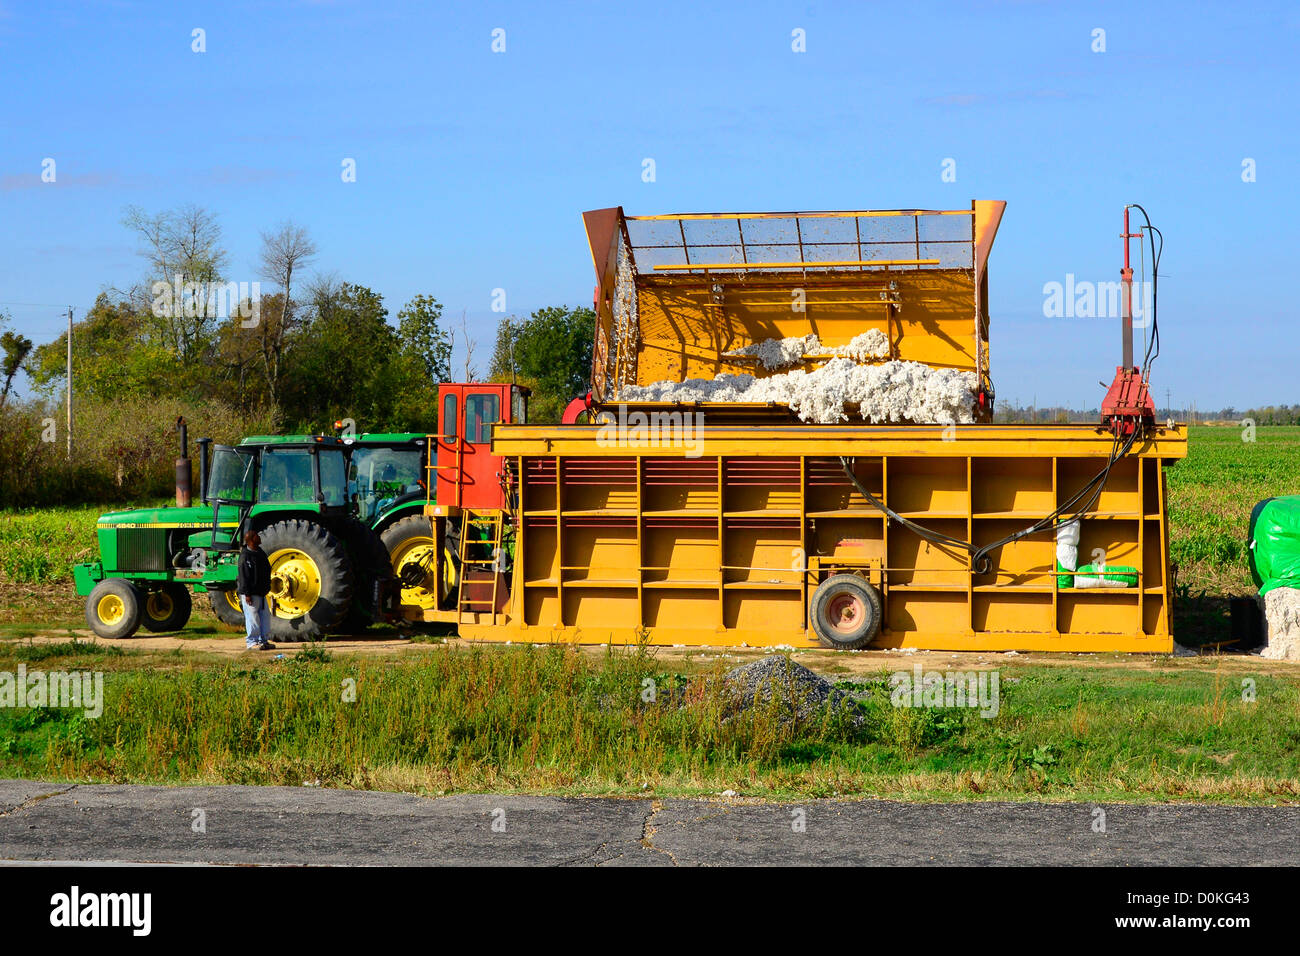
{"points": [[1273, 543]]}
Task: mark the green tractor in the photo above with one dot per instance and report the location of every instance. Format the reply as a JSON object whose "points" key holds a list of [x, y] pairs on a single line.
{"points": [[326, 509]]}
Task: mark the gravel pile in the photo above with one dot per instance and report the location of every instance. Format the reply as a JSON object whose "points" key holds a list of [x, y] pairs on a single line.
{"points": [[805, 692]]}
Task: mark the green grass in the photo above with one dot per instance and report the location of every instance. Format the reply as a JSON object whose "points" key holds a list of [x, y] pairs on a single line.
{"points": [[67, 649], [558, 721], [41, 545]]}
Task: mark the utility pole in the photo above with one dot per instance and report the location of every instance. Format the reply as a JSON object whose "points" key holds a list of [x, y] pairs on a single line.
{"points": [[69, 383]]}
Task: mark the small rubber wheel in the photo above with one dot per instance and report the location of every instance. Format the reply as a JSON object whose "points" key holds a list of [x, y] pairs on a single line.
{"points": [[113, 608], [226, 606], [166, 609], [845, 612]]}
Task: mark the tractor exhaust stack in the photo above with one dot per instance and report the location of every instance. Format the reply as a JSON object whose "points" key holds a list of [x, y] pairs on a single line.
{"points": [[183, 473], [204, 454]]}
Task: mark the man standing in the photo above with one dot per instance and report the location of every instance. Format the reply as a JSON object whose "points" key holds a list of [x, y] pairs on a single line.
{"points": [[252, 586]]}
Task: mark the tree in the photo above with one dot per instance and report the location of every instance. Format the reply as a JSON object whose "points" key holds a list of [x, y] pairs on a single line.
{"points": [[471, 372], [342, 352], [550, 353], [181, 246], [239, 359], [423, 338], [16, 348], [116, 354], [285, 251], [502, 366]]}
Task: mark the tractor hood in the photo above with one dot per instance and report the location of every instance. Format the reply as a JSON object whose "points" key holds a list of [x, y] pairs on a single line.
{"points": [[193, 517]]}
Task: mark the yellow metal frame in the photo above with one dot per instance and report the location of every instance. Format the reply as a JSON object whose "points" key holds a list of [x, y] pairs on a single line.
{"points": [[620, 544]]}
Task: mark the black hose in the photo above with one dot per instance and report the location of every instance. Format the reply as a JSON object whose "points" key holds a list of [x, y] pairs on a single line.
{"points": [[1153, 345], [981, 562]]}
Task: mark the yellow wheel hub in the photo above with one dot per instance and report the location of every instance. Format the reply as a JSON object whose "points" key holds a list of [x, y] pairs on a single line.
{"points": [[295, 582], [159, 605], [111, 609], [422, 551], [233, 600]]}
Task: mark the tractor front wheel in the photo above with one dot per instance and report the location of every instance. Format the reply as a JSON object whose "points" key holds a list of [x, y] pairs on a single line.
{"points": [[312, 579], [113, 608], [166, 609]]}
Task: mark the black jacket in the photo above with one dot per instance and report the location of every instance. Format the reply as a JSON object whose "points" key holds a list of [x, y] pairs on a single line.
{"points": [[254, 573]]}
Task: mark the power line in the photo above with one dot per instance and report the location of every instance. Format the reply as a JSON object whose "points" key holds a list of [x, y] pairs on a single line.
{"points": [[37, 305]]}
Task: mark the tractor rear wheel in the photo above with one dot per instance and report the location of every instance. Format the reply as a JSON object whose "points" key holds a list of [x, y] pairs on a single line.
{"points": [[413, 552], [312, 579], [166, 609], [845, 612], [113, 608], [226, 606]]}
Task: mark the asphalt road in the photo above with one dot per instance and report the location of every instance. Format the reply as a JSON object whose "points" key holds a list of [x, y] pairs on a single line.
{"points": [[286, 825]]}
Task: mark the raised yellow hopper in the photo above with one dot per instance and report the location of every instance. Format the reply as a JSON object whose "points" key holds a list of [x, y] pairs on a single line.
{"points": [[676, 294]]}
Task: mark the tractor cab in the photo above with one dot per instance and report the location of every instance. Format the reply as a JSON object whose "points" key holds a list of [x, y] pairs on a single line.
{"points": [[386, 471], [270, 473], [468, 474]]}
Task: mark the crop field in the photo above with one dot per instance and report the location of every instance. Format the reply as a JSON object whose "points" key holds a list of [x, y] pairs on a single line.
{"points": [[1211, 494]]}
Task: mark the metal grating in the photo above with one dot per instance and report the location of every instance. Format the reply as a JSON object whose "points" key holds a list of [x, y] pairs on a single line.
{"points": [[802, 242]]}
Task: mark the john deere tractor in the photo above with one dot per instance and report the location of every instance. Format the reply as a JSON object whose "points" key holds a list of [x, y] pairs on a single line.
{"points": [[328, 510]]}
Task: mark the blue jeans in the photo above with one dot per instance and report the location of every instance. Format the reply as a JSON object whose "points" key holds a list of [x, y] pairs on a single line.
{"points": [[257, 619]]}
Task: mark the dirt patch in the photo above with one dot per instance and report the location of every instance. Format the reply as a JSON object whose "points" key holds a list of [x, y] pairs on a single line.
{"points": [[829, 663]]}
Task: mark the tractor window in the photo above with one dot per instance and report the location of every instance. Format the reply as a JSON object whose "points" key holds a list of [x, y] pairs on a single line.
{"points": [[481, 412], [333, 476], [287, 477], [380, 475], [232, 475], [449, 417], [518, 406]]}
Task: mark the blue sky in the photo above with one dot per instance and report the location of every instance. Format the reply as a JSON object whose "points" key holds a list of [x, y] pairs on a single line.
{"points": [[473, 166]]}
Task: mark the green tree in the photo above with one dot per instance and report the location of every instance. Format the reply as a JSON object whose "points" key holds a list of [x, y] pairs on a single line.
{"points": [[423, 338], [116, 353], [16, 348], [550, 352], [337, 352]]}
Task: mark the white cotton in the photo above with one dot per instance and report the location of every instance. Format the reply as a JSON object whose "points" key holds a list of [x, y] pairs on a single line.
{"points": [[1282, 611], [838, 391], [783, 353]]}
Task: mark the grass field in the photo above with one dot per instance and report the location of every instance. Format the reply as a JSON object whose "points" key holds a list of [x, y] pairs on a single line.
{"points": [[1211, 494], [557, 720]]}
